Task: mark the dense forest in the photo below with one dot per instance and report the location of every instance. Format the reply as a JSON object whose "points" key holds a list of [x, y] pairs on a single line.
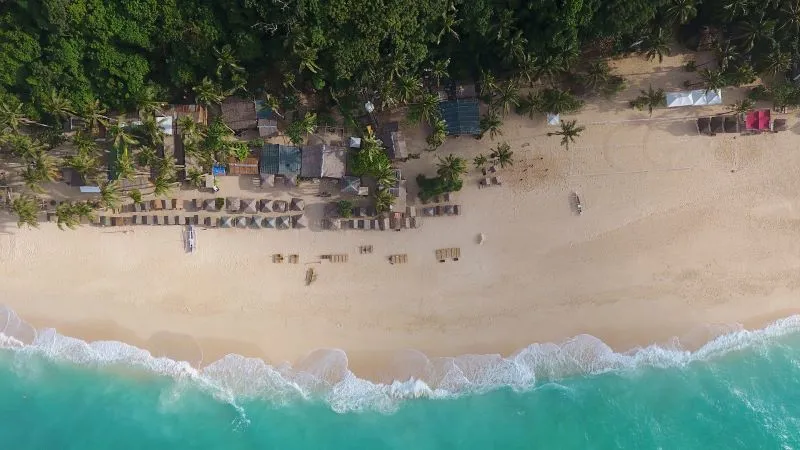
{"points": [[125, 53], [60, 58]]}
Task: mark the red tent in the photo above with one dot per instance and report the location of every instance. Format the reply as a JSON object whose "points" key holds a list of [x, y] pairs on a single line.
{"points": [[757, 120]]}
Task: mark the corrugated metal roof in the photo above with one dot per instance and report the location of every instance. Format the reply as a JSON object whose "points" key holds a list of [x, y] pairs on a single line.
{"points": [[462, 116], [289, 160], [268, 163]]}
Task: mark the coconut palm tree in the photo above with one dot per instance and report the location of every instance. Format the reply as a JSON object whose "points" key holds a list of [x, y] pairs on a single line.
{"points": [[121, 135], [208, 92], [57, 105], [110, 194], [726, 54], [125, 166], [551, 67], [226, 61], [488, 83], [438, 134], [162, 186], [41, 168], [191, 131], [502, 155], [480, 161], [736, 8], [438, 70], [384, 174], [195, 177], [650, 99], [491, 123], [85, 163], [556, 101], [754, 30], [514, 47], [449, 24], [146, 156], [149, 132], [66, 216], [656, 45], [93, 113], [450, 168], [306, 57], [528, 105], [569, 131], [712, 79], [681, 11], [27, 210], [12, 116], [383, 200], [427, 109], [777, 62], [24, 147], [408, 88], [507, 97], [147, 102], [135, 195], [597, 75]]}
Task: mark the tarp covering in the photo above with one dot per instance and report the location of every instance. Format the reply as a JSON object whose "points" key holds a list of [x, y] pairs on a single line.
{"points": [[698, 97], [462, 116], [757, 120]]}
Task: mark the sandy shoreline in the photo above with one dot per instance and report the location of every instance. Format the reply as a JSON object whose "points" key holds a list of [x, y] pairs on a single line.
{"points": [[682, 236]]}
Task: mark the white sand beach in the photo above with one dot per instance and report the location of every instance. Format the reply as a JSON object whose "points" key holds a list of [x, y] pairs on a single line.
{"points": [[681, 236]]}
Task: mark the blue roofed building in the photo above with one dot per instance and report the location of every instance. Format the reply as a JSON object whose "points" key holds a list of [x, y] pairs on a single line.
{"points": [[279, 159]]}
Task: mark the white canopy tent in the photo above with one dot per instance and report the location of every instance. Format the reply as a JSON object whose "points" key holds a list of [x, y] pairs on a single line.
{"points": [[698, 97], [553, 119]]}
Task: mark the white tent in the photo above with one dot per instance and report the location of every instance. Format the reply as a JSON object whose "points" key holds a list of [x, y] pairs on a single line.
{"points": [[553, 119], [698, 97]]}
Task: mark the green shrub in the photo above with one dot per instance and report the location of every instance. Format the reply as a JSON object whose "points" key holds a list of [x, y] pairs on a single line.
{"points": [[344, 208], [430, 187]]}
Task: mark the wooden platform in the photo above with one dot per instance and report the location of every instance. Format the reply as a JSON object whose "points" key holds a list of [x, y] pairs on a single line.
{"points": [[444, 254]]}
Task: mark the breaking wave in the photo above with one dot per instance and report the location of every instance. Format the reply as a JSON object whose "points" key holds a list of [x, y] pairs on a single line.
{"points": [[325, 375]]}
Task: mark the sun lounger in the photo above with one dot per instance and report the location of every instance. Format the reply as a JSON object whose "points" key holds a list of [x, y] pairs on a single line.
{"points": [[156, 220], [191, 239], [398, 259], [145, 220], [367, 224], [415, 221], [136, 220], [168, 220], [340, 258], [446, 197], [294, 259], [146, 206], [411, 211], [365, 249], [277, 258], [407, 222], [137, 207], [444, 254], [176, 204], [126, 221], [457, 210], [176, 220], [158, 205], [429, 211], [496, 181]]}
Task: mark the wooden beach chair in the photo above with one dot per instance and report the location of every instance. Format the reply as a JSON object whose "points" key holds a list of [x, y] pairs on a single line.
{"points": [[277, 258], [444, 254], [294, 259], [398, 259], [365, 249], [136, 220]]}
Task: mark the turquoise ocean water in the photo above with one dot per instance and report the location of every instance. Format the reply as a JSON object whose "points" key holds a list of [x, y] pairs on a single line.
{"points": [[740, 391]]}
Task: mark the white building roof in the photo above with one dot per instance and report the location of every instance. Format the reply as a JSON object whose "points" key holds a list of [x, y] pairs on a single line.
{"points": [[697, 97]]}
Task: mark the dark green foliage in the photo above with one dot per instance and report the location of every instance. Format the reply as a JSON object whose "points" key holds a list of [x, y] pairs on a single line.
{"points": [[344, 208], [430, 187]]}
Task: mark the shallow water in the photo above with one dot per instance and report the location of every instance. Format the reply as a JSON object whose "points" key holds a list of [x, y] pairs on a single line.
{"points": [[740, 391]]}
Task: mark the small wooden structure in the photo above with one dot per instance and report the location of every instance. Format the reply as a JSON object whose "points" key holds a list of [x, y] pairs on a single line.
{"points": [[444, 254], [338, 258], [277, 258], [365, 249], [294, 259]]}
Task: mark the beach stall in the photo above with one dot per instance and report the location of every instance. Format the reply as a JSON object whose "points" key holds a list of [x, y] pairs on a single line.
{"points": [[698, 97]]}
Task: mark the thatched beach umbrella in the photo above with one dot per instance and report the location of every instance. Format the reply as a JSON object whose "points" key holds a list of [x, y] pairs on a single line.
{"points": [[225, 222], [270, 222], [257, 222], [263, 205], [300, 221], [241, 222], [298, 204], [233, 204], [249, 206], [284, 222], [210, 204], [334, 224], [279, 206], [268, 180]]}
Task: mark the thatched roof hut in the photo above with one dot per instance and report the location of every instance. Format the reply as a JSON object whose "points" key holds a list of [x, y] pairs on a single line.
{"points": [[704, 125], [249, 206], [718, 124], [300, 221], [731, 124], [233, 204], [298, 204]]}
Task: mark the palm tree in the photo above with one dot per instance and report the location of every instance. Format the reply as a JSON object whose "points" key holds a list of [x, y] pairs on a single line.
{"points": [[162, 186], [528, 69], [681, 11], [736, 8], [449, 23], [649, 99], [110, 194], [597, 75], [777, 62], [307, 57], [146, 156], [569, 131], [514, 47], [438, 70], [195, 177], [226, 61], [147, 101], [556, 101], [12, 116], [384, 174], [208, 93], [66, 216], [190, 131], [84, 162], [742, 106], [427, 109], [528, 105], [93, 113], [125, 166], [491, 123], [726, 54], [450, 168], [383, 200], [480, 161], [507, 97], [122, 138], [502, 155], [551, 67], [656, 45], [27, 210], [408, 87], [57, 105], [488, 84], [41, 168], [438, 134], [754, 30], [135, 195], [712, 79]]}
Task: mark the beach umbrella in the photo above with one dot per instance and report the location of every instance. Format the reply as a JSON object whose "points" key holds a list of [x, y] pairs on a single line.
{"points": [[210, 204], [270, 222], [241, 222], [268, 180], [284, 222], [249, 206], [264, 205], [300, 221], [279, 206], [257, 222], [298, 204], [233, 204], [225, 222], [334, 224]]}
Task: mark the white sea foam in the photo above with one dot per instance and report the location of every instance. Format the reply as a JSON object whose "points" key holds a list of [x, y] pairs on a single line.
{"points": [[326, 376]]}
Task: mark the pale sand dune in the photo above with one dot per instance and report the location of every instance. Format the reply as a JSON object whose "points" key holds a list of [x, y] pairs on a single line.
{"points": [[672, 243]]}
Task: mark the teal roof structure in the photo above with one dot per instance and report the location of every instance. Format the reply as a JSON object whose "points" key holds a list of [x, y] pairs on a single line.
{"points": [[279, 159]]}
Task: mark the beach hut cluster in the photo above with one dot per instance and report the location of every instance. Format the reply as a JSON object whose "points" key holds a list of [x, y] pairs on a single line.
{"points": [[752, 122]]}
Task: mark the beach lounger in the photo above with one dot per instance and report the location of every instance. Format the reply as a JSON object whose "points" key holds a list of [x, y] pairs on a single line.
{"points": [[176, 220], [429, 211], [447, 197], [197, 204], [294, 259], [136, 220], [156, 220], [146, 206], [411, 211], [105, 221], [398, 259], [407, 222], [145, 220], [367, 224], [158, 205], [277, 258], [365, 249], [444, 254], [263, 205], [339, 258], [457, 210], [359, 224], [191, 239], [375, 224], [137, 207], [415, 221], [168, 220]]}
